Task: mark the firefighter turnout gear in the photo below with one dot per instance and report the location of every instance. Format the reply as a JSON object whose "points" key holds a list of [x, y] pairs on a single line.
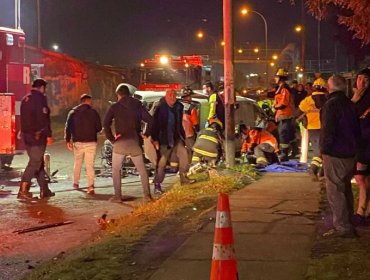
{"points": [[284, 106], [262, 144], [207, 146], [281, 72], [310, 106]]}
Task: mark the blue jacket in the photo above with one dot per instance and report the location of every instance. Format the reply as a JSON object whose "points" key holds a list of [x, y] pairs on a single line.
{"points": [[340, 128]]}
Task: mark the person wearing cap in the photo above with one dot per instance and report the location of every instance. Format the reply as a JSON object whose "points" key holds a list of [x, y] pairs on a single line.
{"points": [[284, 108], [81, 129], [128, 114], [36, 134], [260, 144], [216, 104], [361, 98], [190, 119], [310, 112]]}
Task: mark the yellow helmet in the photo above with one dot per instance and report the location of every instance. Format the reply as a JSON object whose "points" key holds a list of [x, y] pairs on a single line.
{"points": [[281, 72], [319, 83]]}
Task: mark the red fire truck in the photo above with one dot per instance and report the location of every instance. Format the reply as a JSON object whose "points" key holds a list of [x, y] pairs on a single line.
{"points": [[14, 84], [164, 71]]}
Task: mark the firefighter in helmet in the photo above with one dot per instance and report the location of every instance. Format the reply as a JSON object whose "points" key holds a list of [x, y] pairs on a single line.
{"points": [[310, 110], [208, 146], [283, 105]]}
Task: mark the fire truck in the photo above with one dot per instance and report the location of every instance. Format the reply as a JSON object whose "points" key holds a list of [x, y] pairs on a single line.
{"points": [[14, 84], [173, 72]]}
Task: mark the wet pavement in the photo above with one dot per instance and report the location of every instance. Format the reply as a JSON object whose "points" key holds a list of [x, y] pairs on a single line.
{"points": [[21, 252]]}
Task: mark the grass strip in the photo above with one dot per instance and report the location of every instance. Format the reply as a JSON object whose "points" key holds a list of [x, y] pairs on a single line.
{"points": [[108, 255]]}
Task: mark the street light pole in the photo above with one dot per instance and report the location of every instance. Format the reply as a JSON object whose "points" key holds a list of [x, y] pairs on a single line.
{"points": [[38, 24], [17, 14], [244, 12], [266, 45]]}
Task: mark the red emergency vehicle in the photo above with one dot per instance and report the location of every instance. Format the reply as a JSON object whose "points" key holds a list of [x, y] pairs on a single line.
{"points": [[164, 71], [14, 84]]}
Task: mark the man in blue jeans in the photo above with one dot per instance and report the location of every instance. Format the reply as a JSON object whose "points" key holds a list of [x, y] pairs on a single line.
{"points": [[128, 114]]}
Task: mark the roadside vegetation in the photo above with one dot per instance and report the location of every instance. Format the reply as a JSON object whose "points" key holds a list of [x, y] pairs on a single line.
{"points": [[340, 258], [133, 246]]}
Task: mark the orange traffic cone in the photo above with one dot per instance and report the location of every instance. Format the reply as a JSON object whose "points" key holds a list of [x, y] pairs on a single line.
{"points": [[223, 260]]}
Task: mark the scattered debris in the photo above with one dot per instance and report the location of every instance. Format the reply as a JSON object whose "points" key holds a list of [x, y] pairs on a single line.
{"points": [[42, 227], [104, 222], [288, 213]]}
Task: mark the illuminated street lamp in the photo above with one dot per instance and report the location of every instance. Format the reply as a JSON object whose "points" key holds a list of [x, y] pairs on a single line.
{"points": [[299, 29], [200, 35], [244, 11], [55, 47], [256, 50], [274, 56], [222, 43], [240, 51], [272, 64], [142, 64]]}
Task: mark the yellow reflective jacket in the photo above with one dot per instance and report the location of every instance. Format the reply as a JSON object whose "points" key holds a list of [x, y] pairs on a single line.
{"points": [[308, 107]]}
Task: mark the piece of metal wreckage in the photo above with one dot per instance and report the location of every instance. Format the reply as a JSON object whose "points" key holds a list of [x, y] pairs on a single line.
{"points": [[20, 231]]}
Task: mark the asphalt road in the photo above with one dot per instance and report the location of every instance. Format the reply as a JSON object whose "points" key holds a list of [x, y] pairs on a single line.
{"points": [[21, 252]]}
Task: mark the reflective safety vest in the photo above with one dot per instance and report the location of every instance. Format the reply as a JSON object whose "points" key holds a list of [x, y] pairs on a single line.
{"points": [[257, 137], [207, 143], [190, 119], [283, 103], [216, 107], [308, 107]]}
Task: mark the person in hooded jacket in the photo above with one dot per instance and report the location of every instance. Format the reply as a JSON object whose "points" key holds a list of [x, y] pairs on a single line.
{"points": [[82, 125]]}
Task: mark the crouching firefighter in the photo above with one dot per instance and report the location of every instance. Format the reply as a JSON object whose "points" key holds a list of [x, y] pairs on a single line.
{"points": [[260, 146], [36, 133], [208, 146]]}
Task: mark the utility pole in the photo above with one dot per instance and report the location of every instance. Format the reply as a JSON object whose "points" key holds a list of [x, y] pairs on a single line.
{"points": [[38, 24], [229, 84]]}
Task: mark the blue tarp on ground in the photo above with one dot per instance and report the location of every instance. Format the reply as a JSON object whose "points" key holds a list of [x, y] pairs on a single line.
{"points": [[291, 166]]}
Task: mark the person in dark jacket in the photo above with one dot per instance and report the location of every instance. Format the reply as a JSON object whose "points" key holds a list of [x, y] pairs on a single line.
{"points": [[168, 137], [82, 125], [361, 98], [339, 131], [128, 114], [36, 134]]}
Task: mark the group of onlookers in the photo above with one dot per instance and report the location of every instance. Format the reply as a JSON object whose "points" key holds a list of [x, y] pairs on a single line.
{"points": [[338, 128]]}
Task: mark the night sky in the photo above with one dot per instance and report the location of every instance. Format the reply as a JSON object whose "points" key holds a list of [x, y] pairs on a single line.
{"points": [[122, 32]]}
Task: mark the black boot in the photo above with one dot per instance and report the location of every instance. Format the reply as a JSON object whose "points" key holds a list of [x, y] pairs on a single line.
{"points": [[24, 191], [184, 180], [314, 171], [284, 155], [158, 188], [45, 192], [295, 149]]}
